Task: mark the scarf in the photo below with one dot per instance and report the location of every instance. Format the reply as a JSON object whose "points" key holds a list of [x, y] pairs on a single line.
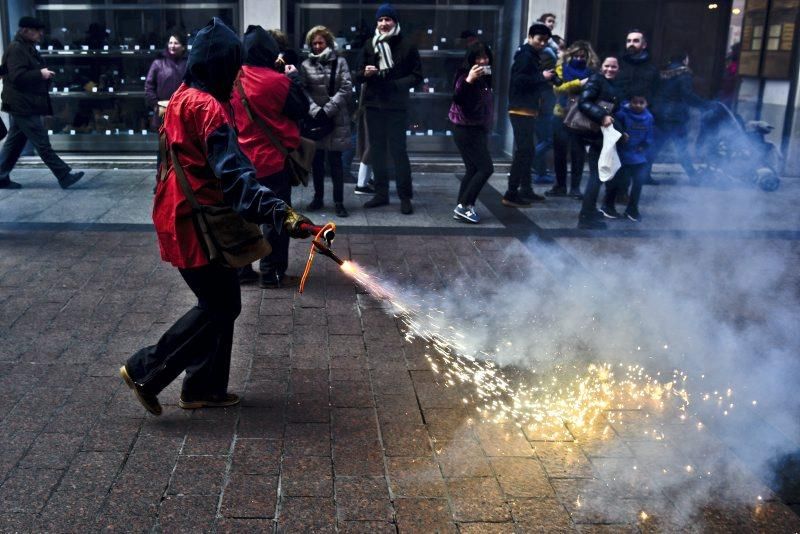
{"points": [[382, 48], [571, 72], [322, 57]]}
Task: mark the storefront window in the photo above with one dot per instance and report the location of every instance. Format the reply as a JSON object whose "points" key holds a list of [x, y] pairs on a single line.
{"points": [[101, 54]]}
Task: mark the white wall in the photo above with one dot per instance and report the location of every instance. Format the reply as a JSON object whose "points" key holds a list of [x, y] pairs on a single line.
{"points": [[557, 7], [264, 13]]}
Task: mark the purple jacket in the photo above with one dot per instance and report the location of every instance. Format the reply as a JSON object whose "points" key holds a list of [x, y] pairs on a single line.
{"points": [[473, 103], [164, 78]]}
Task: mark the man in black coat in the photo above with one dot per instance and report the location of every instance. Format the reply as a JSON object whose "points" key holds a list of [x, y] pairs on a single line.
{"points": [[391, 66], [26, 82]]}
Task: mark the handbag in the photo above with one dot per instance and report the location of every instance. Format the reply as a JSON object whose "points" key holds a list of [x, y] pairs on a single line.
{"points": [[227, 239], [298, 161], [318, 129], [577, 121]]}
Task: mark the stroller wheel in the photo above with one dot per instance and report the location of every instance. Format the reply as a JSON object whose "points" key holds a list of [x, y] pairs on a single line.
{"points": [[767, 180]]}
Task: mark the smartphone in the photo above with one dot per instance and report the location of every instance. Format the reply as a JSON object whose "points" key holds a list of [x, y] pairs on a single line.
{"points": [[487, 70]]}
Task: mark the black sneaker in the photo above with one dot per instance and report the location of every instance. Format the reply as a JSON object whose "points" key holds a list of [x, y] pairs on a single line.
{"points": [[315, 204], [405, 206], [70, 179], [556, 192], [633, 215], [591, 223], [376, 202], [9, 184], [365, 190], [576, 194], [247, 275], [341, 211], [530, 196], [147, 400], [514, 200], [609, 212]]}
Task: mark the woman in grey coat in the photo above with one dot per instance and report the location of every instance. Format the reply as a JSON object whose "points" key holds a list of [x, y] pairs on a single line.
{"points": [[332, 104]]}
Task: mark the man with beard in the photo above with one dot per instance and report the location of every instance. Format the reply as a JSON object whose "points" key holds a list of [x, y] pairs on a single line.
{"points": [[638, 76]]}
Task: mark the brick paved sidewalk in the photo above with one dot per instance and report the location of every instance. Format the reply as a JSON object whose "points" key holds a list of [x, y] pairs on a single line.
{"points": [[343, 425]]}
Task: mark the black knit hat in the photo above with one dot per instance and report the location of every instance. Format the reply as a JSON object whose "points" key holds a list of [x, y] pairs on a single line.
{"points": [[386, 10], [31, 22], [539, 29]]}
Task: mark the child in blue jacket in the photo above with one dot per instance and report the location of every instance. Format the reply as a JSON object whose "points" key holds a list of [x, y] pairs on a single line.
{"points": [[638, 124]]}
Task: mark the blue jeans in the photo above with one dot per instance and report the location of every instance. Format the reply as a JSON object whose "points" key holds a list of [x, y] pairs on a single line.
{"points": [[544, 138], [25, 128]]}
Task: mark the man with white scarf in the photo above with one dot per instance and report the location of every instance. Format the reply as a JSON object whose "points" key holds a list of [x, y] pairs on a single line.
{"points": [[391, 67]]}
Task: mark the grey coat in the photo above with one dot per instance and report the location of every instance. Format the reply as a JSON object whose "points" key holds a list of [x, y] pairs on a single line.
{"points": [[315, 77]]}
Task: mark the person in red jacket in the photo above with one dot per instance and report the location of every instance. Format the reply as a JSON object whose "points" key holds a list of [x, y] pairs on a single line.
{"points": [[199, 128], [279, 101]]}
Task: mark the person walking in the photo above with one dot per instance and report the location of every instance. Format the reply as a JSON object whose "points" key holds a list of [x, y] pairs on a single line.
{"points": [[165, 75], [326, 79], [391, 66], [472, 115], [25, 97], [200, 131], [599, 101], [579, 62], [528, 82], [277, 102]]}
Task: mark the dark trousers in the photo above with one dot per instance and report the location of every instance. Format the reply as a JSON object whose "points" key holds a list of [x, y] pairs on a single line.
{"points": [[29, 128], [524, 129], [544, 138], [678, 134], [387, 139], [473, 144], [278, 238], [337, 174], [200, 342], [566, 143], [589, 206], [629, 175]]}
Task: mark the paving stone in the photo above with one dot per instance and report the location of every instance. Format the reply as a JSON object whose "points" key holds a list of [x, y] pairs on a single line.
{"points": [[227, 525], [449, 424], [477, 499], [198, 475], [357, 457], [255, 456], [424, 516], [487, 528], [265, 422], [247, 496], [307, 476], [52, 451], [502, 440], [307, 514], [563, 460], [183, 513], [400, 439], [367, 527], [351, 393], [541, 515], [308, 439], [415, 477], [27, 490], [522, 477], [363, 499]]}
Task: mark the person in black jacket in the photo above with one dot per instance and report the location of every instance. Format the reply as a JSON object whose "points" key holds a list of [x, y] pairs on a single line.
{"points": [[528, 83], [602, 89], [638, 75], [391, 66], [673, 100], [26, 81]]}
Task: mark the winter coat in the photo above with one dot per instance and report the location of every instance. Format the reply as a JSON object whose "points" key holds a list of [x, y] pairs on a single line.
{"points": [[637, 76], [199, 129], [389, 90], [164, 77], [24, 90], [640, 129], [675, 95], [569, 87], [315, 76], [473, 103], [598, 89], [527, 82], [278, 100]]}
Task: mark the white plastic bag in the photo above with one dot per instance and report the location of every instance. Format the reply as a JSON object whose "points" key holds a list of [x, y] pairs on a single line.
{"points": [[609, 162]]}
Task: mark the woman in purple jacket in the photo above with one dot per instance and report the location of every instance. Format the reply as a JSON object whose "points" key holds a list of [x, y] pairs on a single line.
{"points": [[165, 74], [471, 114]]}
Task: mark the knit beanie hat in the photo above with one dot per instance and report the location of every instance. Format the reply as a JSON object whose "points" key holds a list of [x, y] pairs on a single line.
{"points": [[539, 29], [386, 10]]}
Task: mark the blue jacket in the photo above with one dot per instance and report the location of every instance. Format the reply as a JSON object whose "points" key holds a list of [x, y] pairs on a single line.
{"points": [[639, 127]]}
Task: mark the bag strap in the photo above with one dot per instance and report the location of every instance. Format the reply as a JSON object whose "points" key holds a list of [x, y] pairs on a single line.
{"points": [[258, 120], [184, 183], [332, 81], [162, 150]]}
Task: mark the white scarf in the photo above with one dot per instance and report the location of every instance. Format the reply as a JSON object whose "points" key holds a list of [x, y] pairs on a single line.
{"points": [[323, 56], [382, 48]]}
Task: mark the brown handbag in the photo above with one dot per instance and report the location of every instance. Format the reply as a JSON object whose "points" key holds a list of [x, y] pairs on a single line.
{"points": [[577, 121], [226, 238], [298, 161]]}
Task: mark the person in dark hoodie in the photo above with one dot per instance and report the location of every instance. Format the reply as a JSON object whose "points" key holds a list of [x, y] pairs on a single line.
{"points": [[674, 99], [199, 128], [528, 82], [391, 66], [279, 102]]}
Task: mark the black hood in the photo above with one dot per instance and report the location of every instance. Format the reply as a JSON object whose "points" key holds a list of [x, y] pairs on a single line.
{"points": [[214, 60], [260, 48]]}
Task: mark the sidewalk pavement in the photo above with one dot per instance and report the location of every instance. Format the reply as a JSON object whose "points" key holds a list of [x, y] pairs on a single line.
{"points": [[343, 426]]}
